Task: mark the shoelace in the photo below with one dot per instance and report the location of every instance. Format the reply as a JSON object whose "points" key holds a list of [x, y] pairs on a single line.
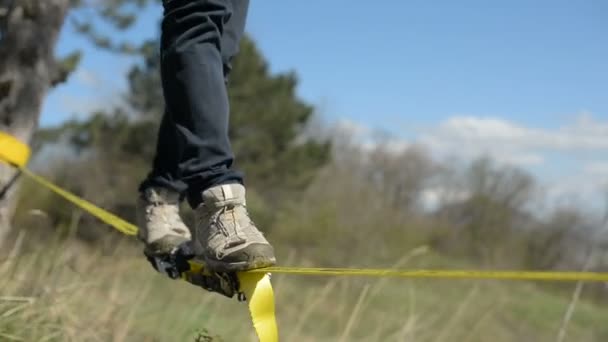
{"points": [[234, 239], [215, 220]]}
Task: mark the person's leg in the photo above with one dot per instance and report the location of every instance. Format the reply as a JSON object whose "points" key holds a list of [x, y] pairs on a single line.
{"points": [[160, 225], [193, 151], [228, 239], [196, 153], [199, 39], [231, 34], [165, 168]]}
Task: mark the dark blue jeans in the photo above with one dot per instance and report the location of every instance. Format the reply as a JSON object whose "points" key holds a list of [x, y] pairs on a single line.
{"points": [[199, 39]]}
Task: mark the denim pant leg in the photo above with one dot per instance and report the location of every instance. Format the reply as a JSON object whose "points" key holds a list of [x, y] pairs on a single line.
{"points": [[199, 38], [233, 32]]}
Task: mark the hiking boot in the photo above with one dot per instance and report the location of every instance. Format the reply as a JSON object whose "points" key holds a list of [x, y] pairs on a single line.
{"points": [[228, 239], [160, 226]]}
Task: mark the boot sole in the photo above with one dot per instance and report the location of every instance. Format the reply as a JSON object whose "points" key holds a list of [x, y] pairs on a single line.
{"points": [[253, 264]]}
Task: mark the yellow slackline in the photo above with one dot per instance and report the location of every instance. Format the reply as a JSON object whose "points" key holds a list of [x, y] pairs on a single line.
{"points": [[13, 151], [442, 274], [256, 283], [259, 294]]}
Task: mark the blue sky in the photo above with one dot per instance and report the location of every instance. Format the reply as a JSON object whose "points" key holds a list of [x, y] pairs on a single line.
{"points": [[523, 80]]}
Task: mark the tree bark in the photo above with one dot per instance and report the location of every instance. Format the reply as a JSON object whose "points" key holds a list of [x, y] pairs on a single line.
{"points": [[29, 30]]}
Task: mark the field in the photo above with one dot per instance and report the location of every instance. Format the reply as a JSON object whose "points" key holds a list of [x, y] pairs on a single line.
{"points": [[67, 292]]}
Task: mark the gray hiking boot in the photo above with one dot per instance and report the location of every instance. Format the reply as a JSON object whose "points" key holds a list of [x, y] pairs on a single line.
{"points": [[160, 226], [229, 240]]}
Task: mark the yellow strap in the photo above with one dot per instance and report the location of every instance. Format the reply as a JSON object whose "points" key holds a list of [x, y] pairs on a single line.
{"points": [[13, 151], [105, 216], [259, 294], [443, 274]]}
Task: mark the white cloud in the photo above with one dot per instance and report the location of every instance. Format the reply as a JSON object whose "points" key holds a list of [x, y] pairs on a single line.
{"points": [[597, 168], [567, 160], [470, 136], [367, 138], [572, 172], [585, 133]]}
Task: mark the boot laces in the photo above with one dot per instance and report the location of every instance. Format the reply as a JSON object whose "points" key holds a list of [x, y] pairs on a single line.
{"points": [[234, 238]]}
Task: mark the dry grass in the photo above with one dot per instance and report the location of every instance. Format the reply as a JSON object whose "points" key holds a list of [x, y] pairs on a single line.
{"points": [[65, 292]]}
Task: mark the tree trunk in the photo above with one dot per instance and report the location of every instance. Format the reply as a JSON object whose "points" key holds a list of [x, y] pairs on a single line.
{"points": [[28, 33]]}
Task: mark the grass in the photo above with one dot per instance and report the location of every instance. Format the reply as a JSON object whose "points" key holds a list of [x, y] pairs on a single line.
{"points": [[57, 294]]}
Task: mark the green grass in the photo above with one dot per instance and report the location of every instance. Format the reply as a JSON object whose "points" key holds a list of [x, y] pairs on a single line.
{"points": [[58, 294]]}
